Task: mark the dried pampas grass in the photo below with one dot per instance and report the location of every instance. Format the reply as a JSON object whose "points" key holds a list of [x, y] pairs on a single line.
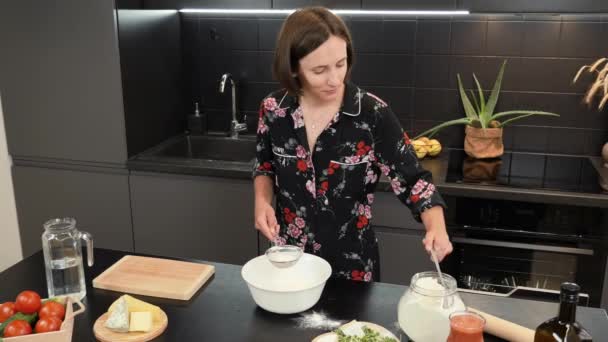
{"points": [[599, 88]]}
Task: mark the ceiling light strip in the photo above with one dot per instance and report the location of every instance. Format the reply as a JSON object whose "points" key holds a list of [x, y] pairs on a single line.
{"points": [[344, 12]]}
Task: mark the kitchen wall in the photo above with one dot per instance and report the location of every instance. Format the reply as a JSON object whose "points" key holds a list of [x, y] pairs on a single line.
{"points": [[413, 63], [152, 86], [10, 252]]}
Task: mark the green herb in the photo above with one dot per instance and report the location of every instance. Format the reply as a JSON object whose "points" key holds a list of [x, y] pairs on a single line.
{"points": [[18, 316], [368, 336]]}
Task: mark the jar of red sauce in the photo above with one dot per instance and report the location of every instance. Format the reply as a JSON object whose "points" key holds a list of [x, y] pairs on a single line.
{"points": [[466, 326]]}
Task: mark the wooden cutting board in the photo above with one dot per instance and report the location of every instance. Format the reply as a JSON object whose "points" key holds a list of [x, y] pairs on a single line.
{"points": [[104, 334], [154, 277]]}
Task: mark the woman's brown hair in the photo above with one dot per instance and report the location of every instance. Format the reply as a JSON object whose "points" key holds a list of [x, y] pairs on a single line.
{"points": [[302, 32]]}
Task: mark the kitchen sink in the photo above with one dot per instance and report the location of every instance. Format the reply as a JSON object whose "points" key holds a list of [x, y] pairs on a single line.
{"points": [[209, 147]]}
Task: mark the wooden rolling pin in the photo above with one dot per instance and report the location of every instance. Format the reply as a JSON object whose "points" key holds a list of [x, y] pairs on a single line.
{"points": [[505, 329]]}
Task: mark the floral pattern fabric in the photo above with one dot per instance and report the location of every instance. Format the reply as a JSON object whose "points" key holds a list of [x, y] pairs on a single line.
{"points": [[324, 193]]}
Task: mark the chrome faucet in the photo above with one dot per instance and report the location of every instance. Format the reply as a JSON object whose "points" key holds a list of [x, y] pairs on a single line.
{"points": [[235, 125]]}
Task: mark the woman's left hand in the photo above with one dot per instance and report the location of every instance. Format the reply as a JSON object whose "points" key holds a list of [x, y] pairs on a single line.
{"points": [[436, 237]]}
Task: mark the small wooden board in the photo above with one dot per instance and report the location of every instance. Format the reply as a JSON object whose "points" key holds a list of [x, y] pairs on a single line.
{"points": [[104, 334], [155, 277]]}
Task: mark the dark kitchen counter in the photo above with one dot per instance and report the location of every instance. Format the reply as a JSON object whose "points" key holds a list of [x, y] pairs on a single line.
{"points": [[188, 163], [224, 311]]}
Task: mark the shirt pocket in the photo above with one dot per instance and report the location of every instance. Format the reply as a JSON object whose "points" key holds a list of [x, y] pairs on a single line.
{"points": [[347, 178], [285, 166]]}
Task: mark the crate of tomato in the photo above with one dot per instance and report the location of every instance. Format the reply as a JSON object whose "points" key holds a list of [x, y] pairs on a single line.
{"points": [[32, 319]]}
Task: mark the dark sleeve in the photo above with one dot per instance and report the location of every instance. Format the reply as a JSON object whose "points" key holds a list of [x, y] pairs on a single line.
{"points": [[263, 156], [396, 158]]}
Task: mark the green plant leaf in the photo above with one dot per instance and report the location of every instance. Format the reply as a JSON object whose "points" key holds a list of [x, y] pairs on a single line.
{"points": [[432, 131], [520, 112], [493, 99], [468, 107], [475, 103], [504, 123], [482, 99]]}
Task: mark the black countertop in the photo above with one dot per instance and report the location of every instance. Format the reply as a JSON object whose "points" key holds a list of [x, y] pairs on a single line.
{"points": [[223, 309], [150, 161]]}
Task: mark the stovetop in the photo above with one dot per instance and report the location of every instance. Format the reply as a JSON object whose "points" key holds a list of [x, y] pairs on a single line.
{"points": [[526, 170]]}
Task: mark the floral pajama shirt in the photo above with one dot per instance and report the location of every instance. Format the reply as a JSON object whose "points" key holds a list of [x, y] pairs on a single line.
{"points": [[324, 195]]}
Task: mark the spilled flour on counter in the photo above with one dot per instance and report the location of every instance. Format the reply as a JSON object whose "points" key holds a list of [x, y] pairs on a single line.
{"points": [[317, 320]]}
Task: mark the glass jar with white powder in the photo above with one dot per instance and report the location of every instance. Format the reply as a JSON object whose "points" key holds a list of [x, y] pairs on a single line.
{"points": [[424, 310]]}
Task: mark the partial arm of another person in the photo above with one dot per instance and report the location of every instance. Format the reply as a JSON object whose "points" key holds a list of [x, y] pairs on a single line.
{"points": [[411, 183]]}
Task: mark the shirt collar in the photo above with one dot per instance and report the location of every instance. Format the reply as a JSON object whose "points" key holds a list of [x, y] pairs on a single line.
{"points": [[351, 103]]}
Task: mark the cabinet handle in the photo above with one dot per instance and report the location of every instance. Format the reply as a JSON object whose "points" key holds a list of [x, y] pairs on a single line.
{"points": [[546, 248]]}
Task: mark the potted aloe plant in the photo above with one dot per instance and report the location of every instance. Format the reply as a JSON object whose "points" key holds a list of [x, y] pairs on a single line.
{"points": [[483, 132]]}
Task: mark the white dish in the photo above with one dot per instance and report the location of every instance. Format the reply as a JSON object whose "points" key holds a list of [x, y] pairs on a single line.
{"points": [[286, 290]]}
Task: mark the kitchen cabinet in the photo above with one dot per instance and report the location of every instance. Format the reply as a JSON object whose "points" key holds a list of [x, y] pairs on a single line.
{"points": [[205, 218], [97, 199], [401, 255], [400, 240], [60, 80]]}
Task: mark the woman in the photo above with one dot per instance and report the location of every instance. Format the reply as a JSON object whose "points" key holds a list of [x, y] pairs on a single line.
{"points": [[322, 143]]}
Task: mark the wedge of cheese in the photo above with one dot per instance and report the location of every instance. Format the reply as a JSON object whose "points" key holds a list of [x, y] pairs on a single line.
{"points": [[118, 320], [140, 321], [136, 305]]}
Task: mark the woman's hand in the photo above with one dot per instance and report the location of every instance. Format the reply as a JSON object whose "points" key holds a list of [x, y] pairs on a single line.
{"points": [[436, 237], [266, 221]]}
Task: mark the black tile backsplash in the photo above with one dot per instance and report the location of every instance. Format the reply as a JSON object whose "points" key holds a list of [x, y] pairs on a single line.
{"points": [[581, 39], [412, 63], [505, 38], [433, 37], [541, 38], [469, 37]]}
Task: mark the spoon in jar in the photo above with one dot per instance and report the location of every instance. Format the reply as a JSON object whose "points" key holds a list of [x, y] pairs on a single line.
{"points": [[441, 280]]}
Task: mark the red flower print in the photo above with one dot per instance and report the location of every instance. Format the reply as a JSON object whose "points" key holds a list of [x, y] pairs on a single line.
{"points": [[289, 217], [331, 171], [362, 222], [324, 185], [406, 138], [286, 210], [357, 275], [301, 164], [360, 144], [415, 198], [265, 166], [323, 188]]}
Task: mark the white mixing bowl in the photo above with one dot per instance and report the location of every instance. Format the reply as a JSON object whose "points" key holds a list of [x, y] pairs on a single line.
{"points": [[286, 290]]}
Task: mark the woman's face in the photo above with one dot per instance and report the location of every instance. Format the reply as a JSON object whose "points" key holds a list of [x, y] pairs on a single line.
{"points": [[322, 71]]}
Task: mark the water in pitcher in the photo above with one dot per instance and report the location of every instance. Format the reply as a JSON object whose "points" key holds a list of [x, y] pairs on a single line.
{"points": [[66, 278], [61, 246]]}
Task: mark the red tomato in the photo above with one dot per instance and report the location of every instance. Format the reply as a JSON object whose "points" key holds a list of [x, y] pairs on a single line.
{"points": [[28, 302], [17, 328], [48, 324], [53, 309], [6, 310]]}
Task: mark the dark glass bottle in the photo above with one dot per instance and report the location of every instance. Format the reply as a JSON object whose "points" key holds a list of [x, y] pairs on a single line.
{"points": [[564, 327]]}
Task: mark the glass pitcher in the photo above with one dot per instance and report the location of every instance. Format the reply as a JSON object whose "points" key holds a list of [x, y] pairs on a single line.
{"points": [[63, 257], [424, 310]]}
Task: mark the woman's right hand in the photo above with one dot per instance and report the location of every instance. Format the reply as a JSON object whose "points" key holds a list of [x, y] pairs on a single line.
{"points": [[266, 221]]}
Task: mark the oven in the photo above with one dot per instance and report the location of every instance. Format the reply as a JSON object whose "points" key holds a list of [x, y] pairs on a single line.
{"points": [[526, 250]]}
